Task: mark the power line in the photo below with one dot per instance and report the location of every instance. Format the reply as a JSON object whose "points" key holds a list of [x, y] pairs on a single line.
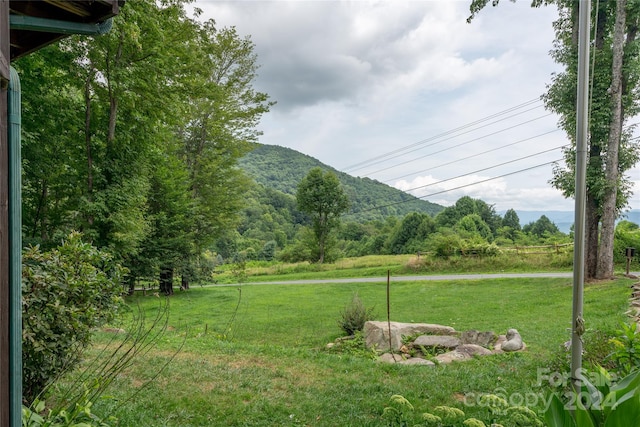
{"points": [[457, 145], [487, 168], [376, 159], [472, 156], [457, 188]]}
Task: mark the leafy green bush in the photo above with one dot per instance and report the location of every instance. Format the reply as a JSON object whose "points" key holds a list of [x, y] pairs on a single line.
{"points": [[627, 235], [354, 316], [626, 349], [66, 292], [602, 402], [356, 347], [79, 416]]}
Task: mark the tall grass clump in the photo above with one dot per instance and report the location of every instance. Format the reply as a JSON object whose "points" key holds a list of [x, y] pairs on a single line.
{"points": [[354, 316]]}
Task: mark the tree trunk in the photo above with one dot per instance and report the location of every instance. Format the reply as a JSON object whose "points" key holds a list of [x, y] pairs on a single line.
{"points": [[592, 222], [609, 205], [41, 213], [87, 142], [166, 280], [132, 284]]}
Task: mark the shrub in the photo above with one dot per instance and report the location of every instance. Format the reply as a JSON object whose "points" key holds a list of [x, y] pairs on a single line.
{"points": [[80, 415], [626, 349], [66, 292], [354, 316]]}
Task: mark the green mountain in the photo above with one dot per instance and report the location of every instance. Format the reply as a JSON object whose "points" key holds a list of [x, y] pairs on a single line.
{"points": [[281, 169]]}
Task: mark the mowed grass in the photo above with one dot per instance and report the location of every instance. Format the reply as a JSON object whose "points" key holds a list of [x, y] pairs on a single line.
{"points": [[397, 265], [255, 355]]}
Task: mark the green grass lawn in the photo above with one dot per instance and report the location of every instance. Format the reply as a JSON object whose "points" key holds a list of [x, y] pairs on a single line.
{"points": [[397, 265], [255, 355]]}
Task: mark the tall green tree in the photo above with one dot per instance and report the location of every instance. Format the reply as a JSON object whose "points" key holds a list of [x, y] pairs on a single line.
{"points": [[614, 100], [132, 138], [464, 206], [223, 110], [321, 196]]}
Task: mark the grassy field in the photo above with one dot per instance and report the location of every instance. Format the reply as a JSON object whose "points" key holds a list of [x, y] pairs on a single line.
{"points": [[397, 265], [254, 355]]}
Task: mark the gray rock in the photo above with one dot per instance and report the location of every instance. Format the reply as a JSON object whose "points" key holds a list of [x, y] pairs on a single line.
{"points": [[513, 342], [391, 358], [463, 352], [485, 339], [417, 361], [443, 341], [400, 360], [377, 333]]}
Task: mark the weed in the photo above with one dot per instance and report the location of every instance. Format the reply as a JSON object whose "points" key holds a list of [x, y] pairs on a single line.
{"points": [[355, 346], [626, 352], [354, 316]]}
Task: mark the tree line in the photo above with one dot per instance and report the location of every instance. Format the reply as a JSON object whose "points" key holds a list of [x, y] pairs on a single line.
{"points": [[132, 138]]}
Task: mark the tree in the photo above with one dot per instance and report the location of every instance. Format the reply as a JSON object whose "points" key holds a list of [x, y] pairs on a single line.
{"points": [[321, 196], [473, 225], [223, 112], [511, 220], [542, 227], [410, 234], [464, 206], [614, 95]]}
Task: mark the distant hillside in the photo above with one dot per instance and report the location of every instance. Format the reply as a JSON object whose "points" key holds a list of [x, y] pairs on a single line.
{"points": [[281, 169]]}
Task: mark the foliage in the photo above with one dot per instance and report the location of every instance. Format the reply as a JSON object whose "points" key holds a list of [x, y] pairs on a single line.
{"points": [[72, 396], [601, 402], [627, 235], [79, 416], [354, 316], [66, 293], [626, 349], [613, 91], [321, 196], [133, 138], [543, 226], [281, 169], [355, 346], [401, 412]]}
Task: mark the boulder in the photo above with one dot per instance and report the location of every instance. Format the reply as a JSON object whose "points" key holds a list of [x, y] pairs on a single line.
{"points": [[404, 360], [485, 339], [377, 333], [391, 358], [417, 361], [463, 352], [513, 342], [442, 341]]}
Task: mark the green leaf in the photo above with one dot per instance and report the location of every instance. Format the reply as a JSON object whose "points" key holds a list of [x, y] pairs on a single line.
{"points": [[557, 415]]}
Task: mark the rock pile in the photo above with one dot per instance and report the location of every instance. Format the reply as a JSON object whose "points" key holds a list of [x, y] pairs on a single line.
{"points": [[634, 311], [416, 343]]}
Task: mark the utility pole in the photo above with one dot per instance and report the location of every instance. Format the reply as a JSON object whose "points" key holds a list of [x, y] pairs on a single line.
{"points": [[582, 135]]}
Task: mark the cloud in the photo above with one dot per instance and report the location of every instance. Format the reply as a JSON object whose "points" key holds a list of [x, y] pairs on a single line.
{"points": [[354, 80], [498, 192]]}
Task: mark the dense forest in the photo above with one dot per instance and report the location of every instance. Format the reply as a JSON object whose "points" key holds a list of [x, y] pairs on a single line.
{"points": [[381, 219]]}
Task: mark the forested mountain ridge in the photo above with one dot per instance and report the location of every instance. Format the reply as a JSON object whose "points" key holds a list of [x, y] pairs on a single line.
{"points": [[281, 169]]}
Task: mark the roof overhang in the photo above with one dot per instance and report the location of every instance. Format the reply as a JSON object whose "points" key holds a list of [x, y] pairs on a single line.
{"points": [[30, 32]]}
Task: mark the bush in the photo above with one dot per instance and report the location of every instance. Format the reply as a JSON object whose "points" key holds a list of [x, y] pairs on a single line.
{"points": [[354, 316], [66, 292]]}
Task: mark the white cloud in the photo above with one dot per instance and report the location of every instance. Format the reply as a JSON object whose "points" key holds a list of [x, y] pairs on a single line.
{"points": [[358, 79]]}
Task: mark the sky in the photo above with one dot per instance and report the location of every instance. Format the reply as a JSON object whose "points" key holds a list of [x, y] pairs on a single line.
{"points": [[410, 94]]}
